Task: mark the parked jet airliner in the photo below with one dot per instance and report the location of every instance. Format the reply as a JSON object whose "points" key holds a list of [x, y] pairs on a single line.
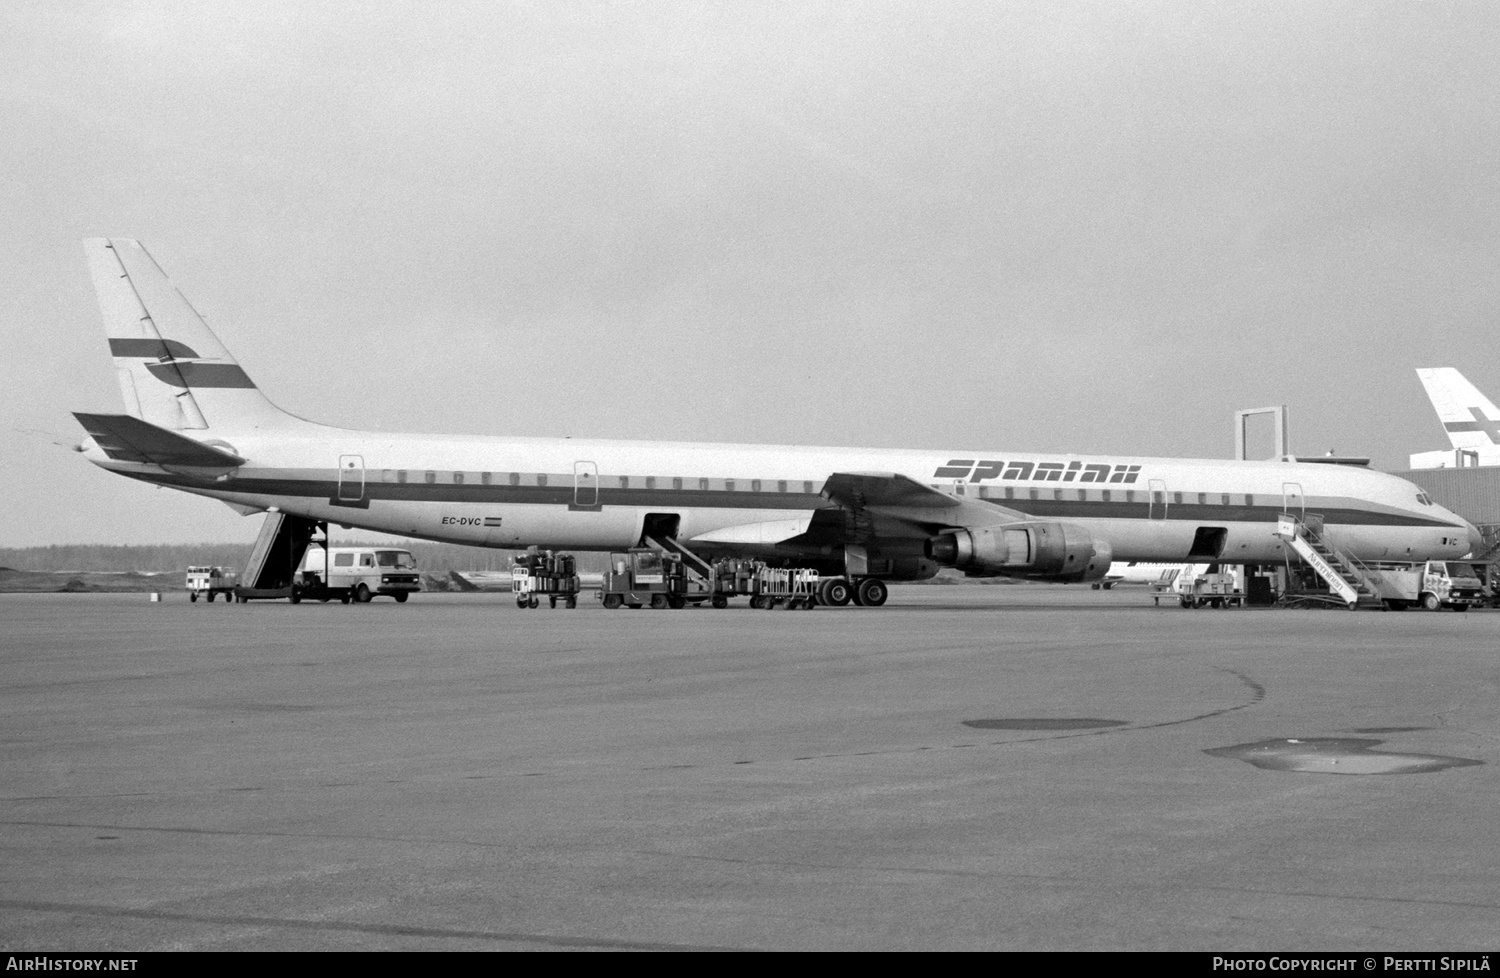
{"points": [[195, 421], [1471, 420]]}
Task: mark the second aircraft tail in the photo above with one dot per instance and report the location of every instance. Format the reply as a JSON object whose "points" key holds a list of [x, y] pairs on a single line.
{"points": [[1471, 421]]}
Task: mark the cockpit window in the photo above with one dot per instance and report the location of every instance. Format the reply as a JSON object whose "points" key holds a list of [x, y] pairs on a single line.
{"points": [[1424, 499]]}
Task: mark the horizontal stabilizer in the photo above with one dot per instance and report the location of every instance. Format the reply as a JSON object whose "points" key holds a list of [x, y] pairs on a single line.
{"points": [[129, 439]]}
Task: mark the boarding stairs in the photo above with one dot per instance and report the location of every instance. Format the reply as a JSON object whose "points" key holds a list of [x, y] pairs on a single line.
{"points": [[278, 552], [1345, 576]]}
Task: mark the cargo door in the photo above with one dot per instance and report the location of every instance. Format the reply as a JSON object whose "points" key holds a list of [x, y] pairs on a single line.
{"points": [[351, 478], [585, 485], [1158, 490]]}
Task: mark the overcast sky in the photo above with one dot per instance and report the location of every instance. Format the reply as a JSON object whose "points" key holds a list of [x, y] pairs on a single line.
{"points": [[1039, 226]]}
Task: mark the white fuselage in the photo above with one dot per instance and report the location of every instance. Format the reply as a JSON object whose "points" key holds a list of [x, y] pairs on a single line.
{"points": [[596, 495]]}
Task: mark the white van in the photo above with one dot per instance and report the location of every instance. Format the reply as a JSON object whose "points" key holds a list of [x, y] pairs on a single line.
{"points": [[357, 574]]}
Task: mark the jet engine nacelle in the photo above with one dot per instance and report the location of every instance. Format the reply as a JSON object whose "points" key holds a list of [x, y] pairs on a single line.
{"points": [[1038, 551]]}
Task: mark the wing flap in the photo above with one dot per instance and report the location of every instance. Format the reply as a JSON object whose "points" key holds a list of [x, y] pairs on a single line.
{"points": [[128, 439]]}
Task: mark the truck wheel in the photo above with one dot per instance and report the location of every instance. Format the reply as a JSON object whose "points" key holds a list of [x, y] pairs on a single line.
{"points": [[572, 602], [295, 597], [400, 597], [362, 595], [344, 598], [658, 602], [193, 596], [719, 601], [1460, 607], [873, 592], [613, 601], [210, 597], [1430, 602], [534, 602], [677, 602], [1185, 602]]}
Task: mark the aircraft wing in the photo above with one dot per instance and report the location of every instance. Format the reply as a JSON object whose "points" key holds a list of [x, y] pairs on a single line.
{"points": [[129, 439], [904, 499]]}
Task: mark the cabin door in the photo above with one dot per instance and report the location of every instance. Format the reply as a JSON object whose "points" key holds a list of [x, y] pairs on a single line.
{"points": [[351, 478], [1158, 490], [1292, 501], [585, 484]]}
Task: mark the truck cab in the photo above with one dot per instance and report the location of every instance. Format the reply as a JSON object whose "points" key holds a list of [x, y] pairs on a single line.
{"points": [[1451, 584]]}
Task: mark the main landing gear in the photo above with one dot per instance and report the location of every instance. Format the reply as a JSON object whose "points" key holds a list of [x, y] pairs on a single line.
{"points": [[869, 592]]}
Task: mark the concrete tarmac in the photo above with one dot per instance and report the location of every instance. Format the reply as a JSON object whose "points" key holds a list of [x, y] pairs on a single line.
{"points": [[966, 768]]}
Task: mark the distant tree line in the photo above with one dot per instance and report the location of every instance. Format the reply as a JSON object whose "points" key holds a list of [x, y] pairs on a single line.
{"points": [[433, 558]]}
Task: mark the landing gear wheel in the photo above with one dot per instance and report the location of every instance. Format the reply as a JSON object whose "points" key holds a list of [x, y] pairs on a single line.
{"points": [[873, 592], [362, 595], [1431, 602], [835, 592], [613, 601], [719, 601]]}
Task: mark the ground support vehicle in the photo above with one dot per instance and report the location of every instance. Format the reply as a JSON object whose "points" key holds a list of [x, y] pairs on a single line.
{"points": [[355, 575], [770, 587], [1432, 584], [644, 576], [538, 574], [789, 587], [209, 582], [1209, 586]]}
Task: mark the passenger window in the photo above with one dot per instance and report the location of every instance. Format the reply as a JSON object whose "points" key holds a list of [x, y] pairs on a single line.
{"points": [[781, 486], [1226, 498], [755, 485], [624, 482], [541, 478], [515, 478], [1202, 499], [1249, 499], [458, 478], [484, 477], [807, 488], [1104, 495], [431, 477], [676, 483], [1130, 495], [703, 484], [1177, 498], [366, 560], [729, 485], [343, 560], [400, 475], [650, 482], [1083, 495]]}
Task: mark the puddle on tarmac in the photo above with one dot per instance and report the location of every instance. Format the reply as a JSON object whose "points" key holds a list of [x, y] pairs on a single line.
{"points": [[1336, 755], [1045, 723]]}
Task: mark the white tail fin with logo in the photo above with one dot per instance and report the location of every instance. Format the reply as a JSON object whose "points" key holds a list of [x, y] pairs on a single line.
{"points": [[172, 370]]}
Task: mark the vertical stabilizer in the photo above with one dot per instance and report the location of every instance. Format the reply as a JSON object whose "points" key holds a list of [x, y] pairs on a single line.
{"points": [[173, 371], [1471, 421]]}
